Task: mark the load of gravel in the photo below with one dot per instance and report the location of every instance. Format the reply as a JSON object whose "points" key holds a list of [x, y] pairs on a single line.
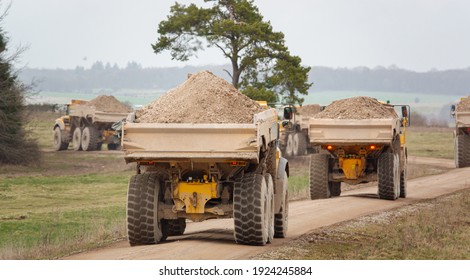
{"points": [[463, 105], [357, 108], [108, 104], [202, 98], [309, 110]]}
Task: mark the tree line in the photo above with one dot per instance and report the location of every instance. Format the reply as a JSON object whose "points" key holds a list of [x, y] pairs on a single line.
{"points": [[103, 76]]}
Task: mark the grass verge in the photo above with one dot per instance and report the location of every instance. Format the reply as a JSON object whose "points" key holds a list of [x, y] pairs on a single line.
{"points": [[47, 217], [430, 142], [437, 229]]}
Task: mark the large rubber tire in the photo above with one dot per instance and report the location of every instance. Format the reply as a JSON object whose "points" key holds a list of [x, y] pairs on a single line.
{"points": [[250, 203], [462, 151], [335, 188], [290, 145], [113, 146], [281, 218], [176, 227], [59, 143], [319, 186], [77, 139], [90, 139], [388, 169], [144, 226], [300, 144], [403, 184], [270, 213]]}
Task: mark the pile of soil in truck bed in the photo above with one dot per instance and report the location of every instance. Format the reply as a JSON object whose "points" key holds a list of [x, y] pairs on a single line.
{"points": [[309, 110], [463, 105], [202, 98], [357, 108], [108, 104]]}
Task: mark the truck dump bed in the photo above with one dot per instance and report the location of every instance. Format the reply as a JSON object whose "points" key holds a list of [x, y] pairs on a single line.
{"points": [[348, 131], [462, 119], [203, 142], [96, 116]]}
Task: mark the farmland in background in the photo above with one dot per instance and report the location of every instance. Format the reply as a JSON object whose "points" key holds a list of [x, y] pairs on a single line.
{"points": [[430, 105]]}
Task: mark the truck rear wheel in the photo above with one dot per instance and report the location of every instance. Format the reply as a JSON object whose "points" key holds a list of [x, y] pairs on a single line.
{"points": [[281, 218], [300, 144], [176, 227], [90, 138], [335, 188], [388, 169], [250, 210], [319, 186], [403, 183], [59, 143], [77, 139], [462, 151], [144, 226]]}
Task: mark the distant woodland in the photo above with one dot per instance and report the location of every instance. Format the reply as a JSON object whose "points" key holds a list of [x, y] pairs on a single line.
{"points": [[107, 77]]}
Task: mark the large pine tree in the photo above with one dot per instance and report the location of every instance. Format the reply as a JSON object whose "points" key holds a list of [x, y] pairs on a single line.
{"points": [[258, 54], [16, 147]]}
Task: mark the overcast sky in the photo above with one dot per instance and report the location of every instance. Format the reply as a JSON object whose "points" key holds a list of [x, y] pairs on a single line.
{"points": [[412, 34]]}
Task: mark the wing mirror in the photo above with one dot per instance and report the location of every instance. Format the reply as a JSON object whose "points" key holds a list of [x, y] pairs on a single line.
{"points": [[452, 110], [288, 113], [404, 112]]}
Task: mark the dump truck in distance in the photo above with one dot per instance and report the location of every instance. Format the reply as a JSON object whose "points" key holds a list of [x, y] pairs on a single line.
{"points": [[358, 151], [294, 137], [87, 127], [461, 113], [200, 171]]}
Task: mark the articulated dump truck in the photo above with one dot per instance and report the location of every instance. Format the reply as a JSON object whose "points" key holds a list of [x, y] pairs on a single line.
{"points": [[294, 130], [358, 151], [461, 113], [206, 171], [86, 127]]}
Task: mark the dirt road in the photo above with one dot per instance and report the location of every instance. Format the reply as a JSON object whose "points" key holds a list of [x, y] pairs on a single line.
{"points": [[214, 239]]}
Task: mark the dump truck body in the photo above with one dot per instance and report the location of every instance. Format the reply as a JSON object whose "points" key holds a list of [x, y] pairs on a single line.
{"points": [[294, 136], [344, 131], [199, 141], [358, 151], [87, 128], [462, 119], [461, 136], [207, 171]]}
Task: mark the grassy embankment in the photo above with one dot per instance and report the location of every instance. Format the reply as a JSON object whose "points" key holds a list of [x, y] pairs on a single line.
{"points": [[73, 201], [437, 229]]}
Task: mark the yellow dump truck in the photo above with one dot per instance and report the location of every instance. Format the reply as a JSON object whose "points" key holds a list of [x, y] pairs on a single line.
{"points": [[206, 171], [461, 135], [87, 128], [359, 151], [294, 137]]}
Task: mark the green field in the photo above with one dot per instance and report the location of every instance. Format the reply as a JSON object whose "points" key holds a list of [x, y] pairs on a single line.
{"points": [[431, 142], [136, 97]]}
